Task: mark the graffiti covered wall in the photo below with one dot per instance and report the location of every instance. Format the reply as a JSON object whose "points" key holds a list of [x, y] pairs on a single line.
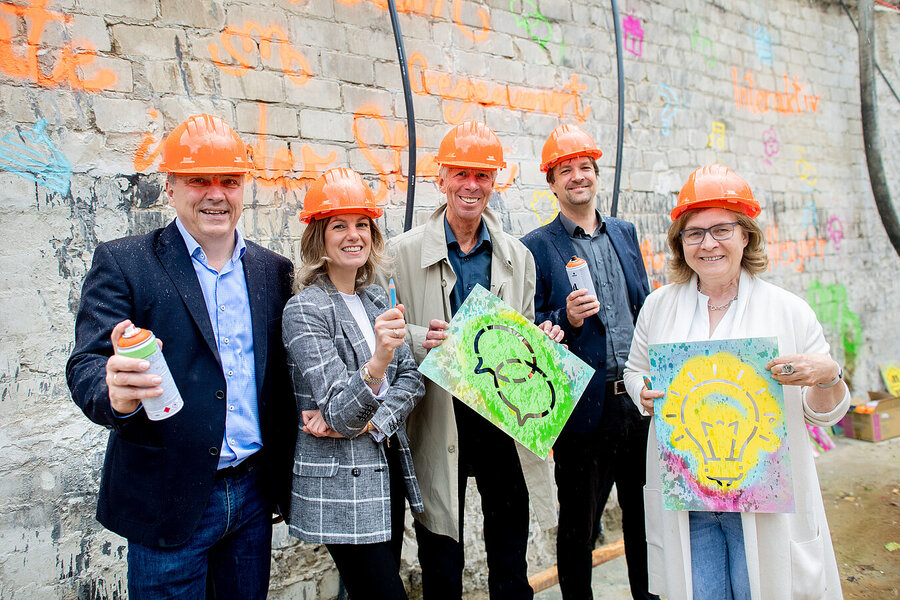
{"points": [[88, 89]]}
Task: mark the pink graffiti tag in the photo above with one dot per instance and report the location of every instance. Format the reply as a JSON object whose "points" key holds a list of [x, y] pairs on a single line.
{"points": [[770, 143], [634, 35], [835, 230]]}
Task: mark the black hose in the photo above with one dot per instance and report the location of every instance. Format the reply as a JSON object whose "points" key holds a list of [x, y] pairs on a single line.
{"points": [[880, 72], [871, 136], [410, 117], [621, 75]]}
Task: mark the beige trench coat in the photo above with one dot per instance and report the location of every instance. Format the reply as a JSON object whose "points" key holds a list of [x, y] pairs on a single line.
{"points": [[424, 279]]}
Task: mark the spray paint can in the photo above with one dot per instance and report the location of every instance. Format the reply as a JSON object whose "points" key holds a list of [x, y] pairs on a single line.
{"points": [[580, 276], [141, 343]]}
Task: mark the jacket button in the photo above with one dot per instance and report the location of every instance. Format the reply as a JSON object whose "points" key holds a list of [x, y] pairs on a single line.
{"points": [[355, 472], [443, 283], [214, 451], [451, 449], [220, 394]]}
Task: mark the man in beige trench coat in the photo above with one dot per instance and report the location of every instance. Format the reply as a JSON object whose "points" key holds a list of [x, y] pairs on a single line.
{"points": [[435, 266]]}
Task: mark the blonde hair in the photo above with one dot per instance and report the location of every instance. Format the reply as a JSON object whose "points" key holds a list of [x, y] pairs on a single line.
{"points": [[754, 261], [313, 261]]}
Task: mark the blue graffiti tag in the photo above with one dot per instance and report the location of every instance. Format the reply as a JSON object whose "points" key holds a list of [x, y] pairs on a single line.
{"points": [[763, 45], [669, 110], [33, 155]]}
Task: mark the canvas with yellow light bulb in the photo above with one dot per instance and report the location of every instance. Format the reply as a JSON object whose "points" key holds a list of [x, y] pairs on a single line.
{"points": [[721, 427]]}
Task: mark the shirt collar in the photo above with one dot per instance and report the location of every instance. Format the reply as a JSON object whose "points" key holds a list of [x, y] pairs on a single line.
{"points": [[576, 231], [196, 251], [483, 235]]}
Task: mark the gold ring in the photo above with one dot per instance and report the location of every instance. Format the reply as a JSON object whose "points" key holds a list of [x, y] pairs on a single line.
{"points": [[787, 369], [396, 333], [116, 378]]}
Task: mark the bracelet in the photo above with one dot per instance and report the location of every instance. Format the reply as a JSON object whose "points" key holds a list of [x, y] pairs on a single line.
{"points": [[369, 379], [834, 381]]}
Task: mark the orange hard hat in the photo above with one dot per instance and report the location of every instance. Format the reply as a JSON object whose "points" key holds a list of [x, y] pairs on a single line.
{"points": [[715, 186], [567, 141], [471, 144], [339, 192], [204, 144]]}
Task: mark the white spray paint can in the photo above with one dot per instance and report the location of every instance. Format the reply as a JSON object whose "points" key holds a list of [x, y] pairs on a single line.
{"points": [[141, 343], [580, 276]]}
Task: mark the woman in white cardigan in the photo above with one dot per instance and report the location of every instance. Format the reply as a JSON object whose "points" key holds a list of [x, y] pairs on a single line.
{"points": [[717, 251]]}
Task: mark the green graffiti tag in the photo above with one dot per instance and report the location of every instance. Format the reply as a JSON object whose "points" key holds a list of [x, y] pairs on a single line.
{"points": [[533, 22], [830, 305]]}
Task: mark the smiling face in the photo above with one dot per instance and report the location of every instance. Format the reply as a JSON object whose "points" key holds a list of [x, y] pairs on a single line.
{"points": [[208, 206], [574, 183], [715, 261], [348, 241], [468, 191]]}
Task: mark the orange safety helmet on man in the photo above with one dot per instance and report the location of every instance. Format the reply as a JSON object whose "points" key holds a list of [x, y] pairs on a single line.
{"points": [[473, 145], [565, 142], [715, 186], [204, 144], [339, 191]]}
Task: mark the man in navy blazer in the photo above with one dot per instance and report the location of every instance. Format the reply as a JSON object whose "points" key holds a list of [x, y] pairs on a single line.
{"points": [[193, 493], [605, 437]]}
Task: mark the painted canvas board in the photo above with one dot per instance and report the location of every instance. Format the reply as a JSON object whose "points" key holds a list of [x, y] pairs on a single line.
{"points": [[504, 367], [890, 373], [721, 427]]}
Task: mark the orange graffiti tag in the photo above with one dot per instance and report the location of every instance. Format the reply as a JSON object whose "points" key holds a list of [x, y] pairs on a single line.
{"points": [[398, 142], [471, 92], [746, 97], [280, 174], [76, 54], [268, 37], [792, 252], [418, 6]]}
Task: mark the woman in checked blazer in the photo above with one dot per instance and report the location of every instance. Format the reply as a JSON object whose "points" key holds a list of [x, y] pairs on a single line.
{"points": [[355, 382]]}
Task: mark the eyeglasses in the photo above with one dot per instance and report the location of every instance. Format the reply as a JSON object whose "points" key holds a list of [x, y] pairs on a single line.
{"points": [[696, 235]]}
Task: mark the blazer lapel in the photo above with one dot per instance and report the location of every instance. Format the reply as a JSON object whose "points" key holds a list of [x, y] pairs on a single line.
{"points": [[349, 329], [172, 253], [256, 276], [561, 241]]}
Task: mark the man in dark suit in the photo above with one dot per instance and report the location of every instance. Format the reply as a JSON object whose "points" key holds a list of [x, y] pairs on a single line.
{"points": [[194, 493], [605, 435]]}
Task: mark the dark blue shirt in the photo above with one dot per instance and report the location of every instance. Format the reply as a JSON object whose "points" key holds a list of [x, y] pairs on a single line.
{"points": [[470, 269], [612, 292]]}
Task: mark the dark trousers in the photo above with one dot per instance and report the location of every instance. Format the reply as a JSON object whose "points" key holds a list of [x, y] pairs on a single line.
{"points": [[583, 462], [488, 455], [372, 571]]}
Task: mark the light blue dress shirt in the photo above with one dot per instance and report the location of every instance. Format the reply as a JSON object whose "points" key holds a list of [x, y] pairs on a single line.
{"points": [[228, 306]]}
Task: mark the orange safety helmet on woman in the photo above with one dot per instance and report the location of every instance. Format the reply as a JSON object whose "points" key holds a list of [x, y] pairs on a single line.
{"points": [[567, 141], [204, 144], [339, 192], [471, 144], [715, 186]]}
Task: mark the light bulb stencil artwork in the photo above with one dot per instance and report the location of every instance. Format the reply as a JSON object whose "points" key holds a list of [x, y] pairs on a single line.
{"points": [[721, 428], [501, 365]]}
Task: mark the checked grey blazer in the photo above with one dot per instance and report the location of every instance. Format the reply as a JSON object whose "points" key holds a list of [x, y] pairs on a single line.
{"points": [[341, 487]]}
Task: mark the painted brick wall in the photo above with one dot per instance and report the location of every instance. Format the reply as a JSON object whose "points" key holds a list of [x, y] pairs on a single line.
{"points": [[88, 88]]}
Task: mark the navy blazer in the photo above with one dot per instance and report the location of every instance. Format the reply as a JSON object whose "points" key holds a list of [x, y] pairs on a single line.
{"points": [[552, 249], [157, 476]]}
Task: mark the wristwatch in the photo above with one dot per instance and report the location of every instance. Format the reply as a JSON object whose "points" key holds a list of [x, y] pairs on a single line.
{"points": [[369, 379], [834, 381]]}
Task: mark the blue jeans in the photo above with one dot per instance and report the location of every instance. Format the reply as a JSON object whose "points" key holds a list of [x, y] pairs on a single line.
{"points": [[718, 561], [227, 556]]}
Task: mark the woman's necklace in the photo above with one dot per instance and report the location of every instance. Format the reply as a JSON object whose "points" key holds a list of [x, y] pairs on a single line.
{"points": [[720, 306]]}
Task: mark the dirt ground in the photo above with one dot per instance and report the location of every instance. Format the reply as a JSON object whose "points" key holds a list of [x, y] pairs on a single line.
{"points": [[861, 491]]}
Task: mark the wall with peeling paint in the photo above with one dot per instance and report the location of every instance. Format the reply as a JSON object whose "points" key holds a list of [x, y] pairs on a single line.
{"points": [[88, 88]]}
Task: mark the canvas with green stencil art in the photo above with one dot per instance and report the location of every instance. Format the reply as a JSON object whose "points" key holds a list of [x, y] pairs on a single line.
{"points": [[500, 364], [721, 429]]}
